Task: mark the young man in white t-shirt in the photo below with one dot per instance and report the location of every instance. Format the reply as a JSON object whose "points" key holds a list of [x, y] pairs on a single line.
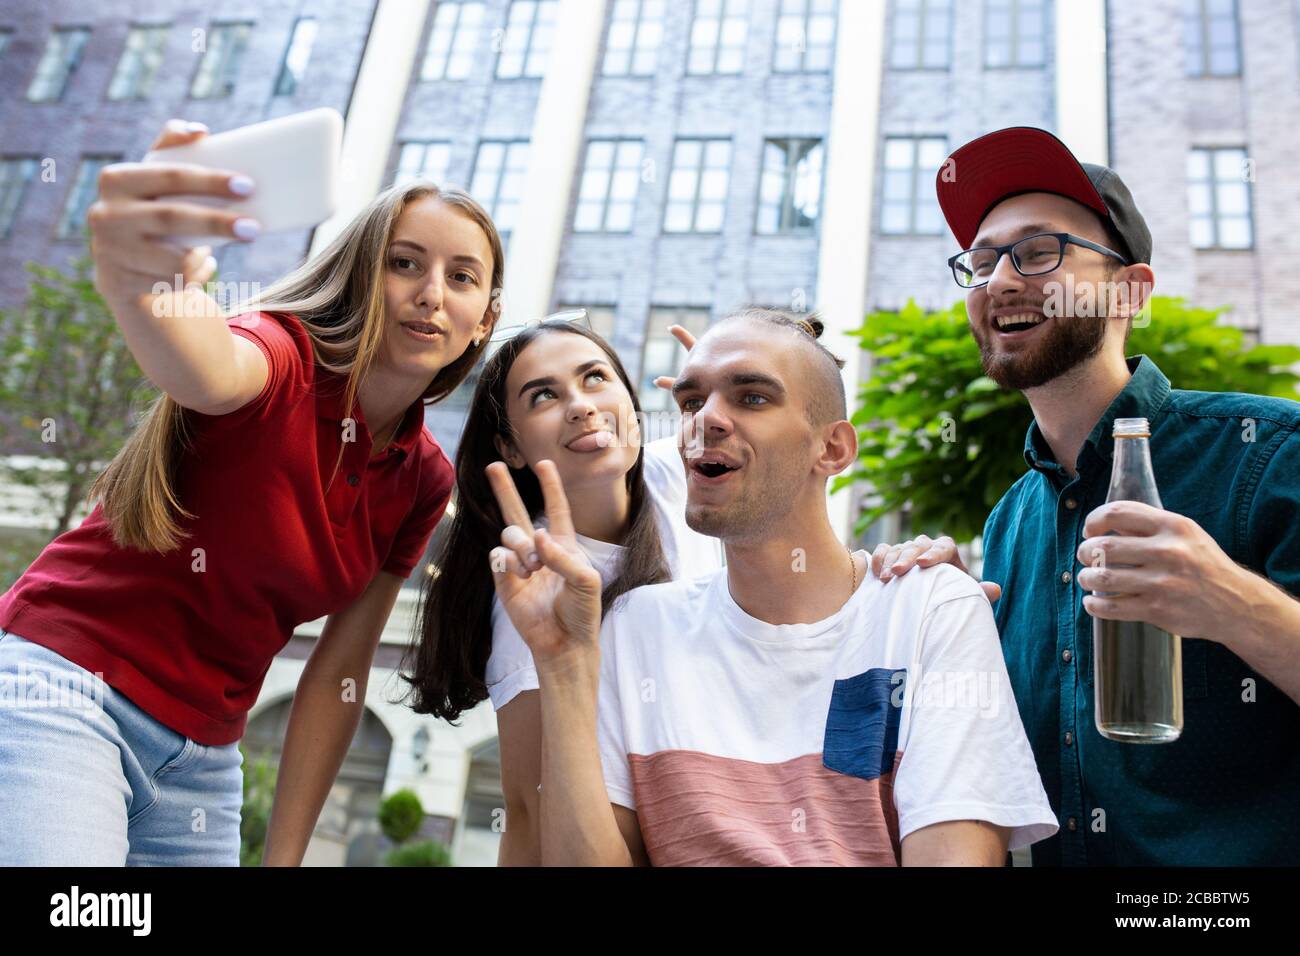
{"points": [[787, 709]]}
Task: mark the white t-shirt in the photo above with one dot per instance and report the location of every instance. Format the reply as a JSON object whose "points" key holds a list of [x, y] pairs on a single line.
{"points": [[688, 554], [747, 743]]}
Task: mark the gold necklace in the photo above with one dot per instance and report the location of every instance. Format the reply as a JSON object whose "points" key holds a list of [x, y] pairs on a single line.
{"points": [[400, 419], [853, 563]]}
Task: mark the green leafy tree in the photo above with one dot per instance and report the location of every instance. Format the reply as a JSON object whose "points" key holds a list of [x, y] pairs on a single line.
{"points": [[69, 390], [941, 440]]}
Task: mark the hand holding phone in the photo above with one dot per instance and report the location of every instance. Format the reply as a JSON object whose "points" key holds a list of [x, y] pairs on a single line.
{"points": [[292, 162]]}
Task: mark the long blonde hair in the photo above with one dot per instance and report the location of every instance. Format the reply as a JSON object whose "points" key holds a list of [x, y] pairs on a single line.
{"points": [[339, 298]]}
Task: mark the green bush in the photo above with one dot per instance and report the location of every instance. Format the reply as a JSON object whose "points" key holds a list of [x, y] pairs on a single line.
{"points": [[423, 853], [400, 815], [937, 436], [255, 815]]}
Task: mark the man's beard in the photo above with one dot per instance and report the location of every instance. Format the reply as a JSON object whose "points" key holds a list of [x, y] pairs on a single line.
{"points": [[1065, 344]]}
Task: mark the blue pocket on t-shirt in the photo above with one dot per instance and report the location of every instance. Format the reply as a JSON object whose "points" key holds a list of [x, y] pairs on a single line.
{"points": [[862, 723]]}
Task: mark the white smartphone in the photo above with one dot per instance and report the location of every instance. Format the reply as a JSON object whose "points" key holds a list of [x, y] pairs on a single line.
{"points": [[293, 162]]}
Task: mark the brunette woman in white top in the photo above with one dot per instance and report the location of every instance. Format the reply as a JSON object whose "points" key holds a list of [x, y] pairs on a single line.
{"points": [[556, 391]]}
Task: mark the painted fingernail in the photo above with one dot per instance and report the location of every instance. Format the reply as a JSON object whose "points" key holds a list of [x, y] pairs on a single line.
{"points": [[533, 558], [210, 264], [246, 229], [240, 185], [196, 127]]}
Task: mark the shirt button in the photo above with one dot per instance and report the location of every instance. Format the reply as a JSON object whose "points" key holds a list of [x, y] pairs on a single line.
{"points": [[1071, 503], [1065, 577], [1066, 655], [354, 480], [1069, 738], [1072, 824]]}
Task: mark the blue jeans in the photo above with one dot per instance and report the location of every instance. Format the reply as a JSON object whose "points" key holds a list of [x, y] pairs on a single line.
{"points": [[87, 778]]}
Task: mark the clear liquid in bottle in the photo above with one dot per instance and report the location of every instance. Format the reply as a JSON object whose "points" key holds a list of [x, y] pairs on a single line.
{"points": [[1137, 667]]}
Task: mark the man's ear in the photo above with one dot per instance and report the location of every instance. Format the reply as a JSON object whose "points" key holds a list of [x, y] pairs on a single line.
{"points": [[841, 448], [1133, 289], [509, 454]]}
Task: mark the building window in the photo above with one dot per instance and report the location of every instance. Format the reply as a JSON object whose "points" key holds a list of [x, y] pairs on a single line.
{"points": [[718, 35], [527, 43], [663, 355], [223, 49], [453, 42], [1212, 44], [697, 187], [1014, 33], [909, 204], [1218, 195], [636, 28], [805, 36], [611, 176], [61, 56], [789, 196], [72, 224], [135, 71], [498, 183], [421, 159], [921, 37], [15, 173], [602, 318], [296, 56]]}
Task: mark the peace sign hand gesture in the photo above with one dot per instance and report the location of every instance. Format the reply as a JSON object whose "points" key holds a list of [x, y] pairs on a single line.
{"points": [[544, 580]]}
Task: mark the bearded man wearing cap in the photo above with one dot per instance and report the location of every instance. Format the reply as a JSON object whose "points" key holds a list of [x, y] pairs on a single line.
{"points": [[1056, 265]]}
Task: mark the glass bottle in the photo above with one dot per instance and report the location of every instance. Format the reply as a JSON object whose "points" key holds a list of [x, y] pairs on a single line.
{"points": [[1137, 667]]}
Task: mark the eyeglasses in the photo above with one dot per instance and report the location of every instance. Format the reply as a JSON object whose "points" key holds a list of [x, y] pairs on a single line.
{"points": [[1032, 256], [573, 316]]}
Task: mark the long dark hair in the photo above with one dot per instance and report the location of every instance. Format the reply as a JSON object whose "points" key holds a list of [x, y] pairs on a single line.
{"points": [[448, 655]]}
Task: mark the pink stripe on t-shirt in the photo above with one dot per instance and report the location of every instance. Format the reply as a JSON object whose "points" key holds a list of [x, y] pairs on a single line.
{"points": [[696, 809]]}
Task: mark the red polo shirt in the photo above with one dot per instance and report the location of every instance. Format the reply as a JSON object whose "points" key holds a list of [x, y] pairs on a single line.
{"points": [[189, 635]]}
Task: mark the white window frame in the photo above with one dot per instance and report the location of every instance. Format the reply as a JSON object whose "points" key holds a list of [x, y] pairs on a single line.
{"points": [[920, 188], [218, 70], [719, 37], [806, 29], [598, 184], [905, 54], [525, 55], [1212, 183], [85, 187], [59, 60], [454, 40], [697, 173]]}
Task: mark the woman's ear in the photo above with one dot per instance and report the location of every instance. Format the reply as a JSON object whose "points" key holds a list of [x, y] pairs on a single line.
{"points": [[509, 454], [485, 325]]}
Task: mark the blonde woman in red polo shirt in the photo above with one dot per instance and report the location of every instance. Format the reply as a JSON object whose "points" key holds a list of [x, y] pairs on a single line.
{"points": [[285, 474]]}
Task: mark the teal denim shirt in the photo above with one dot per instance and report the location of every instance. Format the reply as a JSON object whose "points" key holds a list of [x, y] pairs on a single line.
{"points": [[1227, 792]]}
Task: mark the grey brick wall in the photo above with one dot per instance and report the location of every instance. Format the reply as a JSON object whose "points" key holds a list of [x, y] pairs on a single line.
{"points": [[958, 103], [647, 268], [86, 121], [1158, 114]]}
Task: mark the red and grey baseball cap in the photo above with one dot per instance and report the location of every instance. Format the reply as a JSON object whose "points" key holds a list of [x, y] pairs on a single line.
{"points": [[1025, 159]]}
